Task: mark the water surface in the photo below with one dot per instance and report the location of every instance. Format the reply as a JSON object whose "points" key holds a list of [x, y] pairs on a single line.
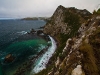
{"points": [[15, 40]]}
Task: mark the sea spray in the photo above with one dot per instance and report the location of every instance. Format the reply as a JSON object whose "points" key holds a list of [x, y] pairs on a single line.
{"points": [[42, 61], [22, 32]]}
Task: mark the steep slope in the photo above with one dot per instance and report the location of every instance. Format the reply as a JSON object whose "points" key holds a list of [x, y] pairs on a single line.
{"points": [[77, 33]]}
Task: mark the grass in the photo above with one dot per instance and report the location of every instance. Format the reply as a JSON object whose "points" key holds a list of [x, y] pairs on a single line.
{"points": [[89, 60], [97, 31], [96, 12], [73, 22], [95, 42]]}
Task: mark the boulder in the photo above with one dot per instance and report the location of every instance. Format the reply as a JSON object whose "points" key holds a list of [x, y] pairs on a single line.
{"points": [[32, 31], [39, 32]]}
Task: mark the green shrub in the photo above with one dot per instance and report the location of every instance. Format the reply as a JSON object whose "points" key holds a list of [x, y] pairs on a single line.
{"points": [[73, 22], [96, 12]]}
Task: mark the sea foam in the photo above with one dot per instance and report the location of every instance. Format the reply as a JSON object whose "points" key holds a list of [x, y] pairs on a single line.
{"points": [[22, 32], [42, 61]]}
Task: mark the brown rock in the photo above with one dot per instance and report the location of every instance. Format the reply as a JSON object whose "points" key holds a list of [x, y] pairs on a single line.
{"points": [[9, 58]]}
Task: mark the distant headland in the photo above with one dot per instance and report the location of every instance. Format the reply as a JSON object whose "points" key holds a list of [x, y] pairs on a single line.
{"points": [[36, 18]]}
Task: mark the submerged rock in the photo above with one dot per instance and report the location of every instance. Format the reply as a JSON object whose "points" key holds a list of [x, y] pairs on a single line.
{"points": [[9, 58]]}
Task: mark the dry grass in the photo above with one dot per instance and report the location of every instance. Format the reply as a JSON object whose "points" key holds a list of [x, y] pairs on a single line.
{"points": [[89, 60]]}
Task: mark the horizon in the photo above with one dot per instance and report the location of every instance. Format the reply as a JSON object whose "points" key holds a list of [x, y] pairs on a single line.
{"points": [[19, 18]]}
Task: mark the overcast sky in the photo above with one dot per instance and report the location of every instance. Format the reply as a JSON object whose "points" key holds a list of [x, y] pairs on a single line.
{"points": [[37, 8]]}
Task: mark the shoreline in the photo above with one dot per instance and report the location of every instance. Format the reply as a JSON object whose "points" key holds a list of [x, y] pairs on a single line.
{"points": [[40, 61], [45, 57]]}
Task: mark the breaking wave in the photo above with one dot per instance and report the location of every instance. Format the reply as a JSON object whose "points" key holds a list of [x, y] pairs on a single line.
{"points": [[42, 61], [22, 32]]}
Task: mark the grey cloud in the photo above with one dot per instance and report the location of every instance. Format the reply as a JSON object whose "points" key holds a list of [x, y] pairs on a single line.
{"points": [[24, 8]]}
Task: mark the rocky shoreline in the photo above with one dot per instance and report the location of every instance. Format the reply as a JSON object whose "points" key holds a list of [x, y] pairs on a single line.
{"points": [[27, 66], [46, 57], [39, 33]]}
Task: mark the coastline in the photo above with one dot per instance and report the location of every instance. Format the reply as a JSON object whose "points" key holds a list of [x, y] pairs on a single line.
{"points": [[40, 61], [45, 57]]}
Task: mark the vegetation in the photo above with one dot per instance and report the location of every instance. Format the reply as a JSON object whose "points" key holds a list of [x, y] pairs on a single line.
{"points": [[36, 18], [89, 60], [73, 22], [29, 18], [95, 39], [96, 12], [95, 42]]}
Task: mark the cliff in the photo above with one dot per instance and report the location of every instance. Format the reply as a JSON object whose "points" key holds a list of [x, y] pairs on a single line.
{"points": [[78, 35]]}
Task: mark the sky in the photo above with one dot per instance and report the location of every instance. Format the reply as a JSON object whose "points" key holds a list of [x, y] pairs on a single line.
{"points": [[40, 8]]}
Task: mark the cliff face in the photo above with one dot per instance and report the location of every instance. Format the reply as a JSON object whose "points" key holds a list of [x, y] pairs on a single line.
{"points": [[78, 33]]}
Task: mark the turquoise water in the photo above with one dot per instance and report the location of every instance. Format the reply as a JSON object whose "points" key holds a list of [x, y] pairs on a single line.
{"points": [[22, 51], [22, 46], [28, 45]]}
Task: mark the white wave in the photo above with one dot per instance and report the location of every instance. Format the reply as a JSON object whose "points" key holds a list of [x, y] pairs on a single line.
{"points": [[42, 61], [22, 32]]}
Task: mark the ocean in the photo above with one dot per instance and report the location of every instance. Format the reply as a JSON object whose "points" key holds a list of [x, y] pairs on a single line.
{"points": [[22, 48]]}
